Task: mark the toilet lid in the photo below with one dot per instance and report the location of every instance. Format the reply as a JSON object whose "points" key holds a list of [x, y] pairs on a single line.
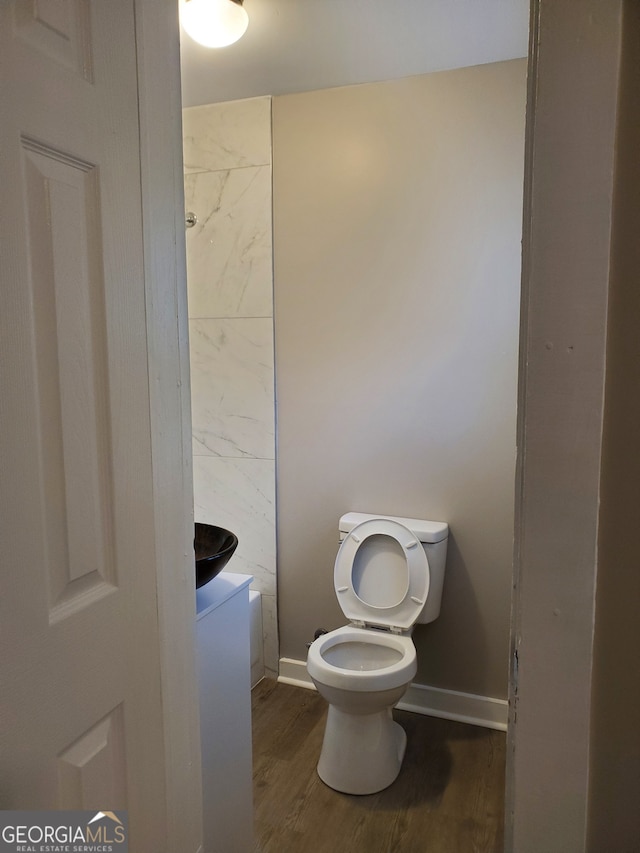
{"points": [[381, 575]]}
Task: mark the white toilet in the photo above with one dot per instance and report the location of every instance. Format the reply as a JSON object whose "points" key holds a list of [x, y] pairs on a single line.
{"points": [[388, 576]]}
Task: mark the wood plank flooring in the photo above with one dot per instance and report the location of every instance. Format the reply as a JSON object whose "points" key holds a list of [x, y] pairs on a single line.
{"points": [[448, 797]]}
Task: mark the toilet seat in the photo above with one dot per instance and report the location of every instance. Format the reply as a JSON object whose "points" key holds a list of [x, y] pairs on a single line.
{"points": [[398, 605], [386, 676]]}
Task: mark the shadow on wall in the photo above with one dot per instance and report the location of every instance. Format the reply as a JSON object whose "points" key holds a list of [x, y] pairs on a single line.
{"points": [[454, 633]]}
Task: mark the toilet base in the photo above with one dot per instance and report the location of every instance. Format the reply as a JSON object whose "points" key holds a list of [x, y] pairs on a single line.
{"points": [[361, 753]]}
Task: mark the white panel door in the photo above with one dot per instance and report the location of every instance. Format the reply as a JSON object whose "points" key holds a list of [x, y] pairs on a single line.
{"points": [[80, 702]]}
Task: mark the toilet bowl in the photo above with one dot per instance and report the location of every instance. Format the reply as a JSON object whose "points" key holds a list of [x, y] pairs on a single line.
{"points": [[384, 585], [362, 674]]}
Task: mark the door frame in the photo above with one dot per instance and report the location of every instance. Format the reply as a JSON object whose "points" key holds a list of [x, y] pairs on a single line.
{"points": [[574, 72], [160, 113]]}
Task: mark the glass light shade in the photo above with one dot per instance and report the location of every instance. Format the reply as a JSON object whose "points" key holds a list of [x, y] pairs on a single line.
{"points": [[213, 23]]}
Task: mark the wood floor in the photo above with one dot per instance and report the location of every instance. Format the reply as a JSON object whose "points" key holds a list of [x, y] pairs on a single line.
{"points": [[448, 797]]}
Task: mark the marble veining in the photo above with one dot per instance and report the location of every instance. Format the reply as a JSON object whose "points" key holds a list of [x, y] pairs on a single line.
{"points": [[239, 494], [232, 387], [227, 136], [229, 262], [229, 250]]}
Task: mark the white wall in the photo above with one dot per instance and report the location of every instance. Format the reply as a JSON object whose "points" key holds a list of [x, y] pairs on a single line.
{"points": [[227, 154], [397, 224]]}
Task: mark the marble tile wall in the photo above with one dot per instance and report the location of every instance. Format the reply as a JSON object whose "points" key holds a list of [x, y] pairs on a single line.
{"points": [[227, 157]]}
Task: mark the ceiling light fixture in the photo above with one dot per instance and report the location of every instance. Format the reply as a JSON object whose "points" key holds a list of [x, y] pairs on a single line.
{"points": [[214, 23]]}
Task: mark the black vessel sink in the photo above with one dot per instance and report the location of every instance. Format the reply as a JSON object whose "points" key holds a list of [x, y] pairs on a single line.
{"points": [[214, 547]]}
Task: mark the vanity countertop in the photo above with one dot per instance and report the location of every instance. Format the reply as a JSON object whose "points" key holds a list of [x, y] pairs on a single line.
{"points": [[219, 590]]}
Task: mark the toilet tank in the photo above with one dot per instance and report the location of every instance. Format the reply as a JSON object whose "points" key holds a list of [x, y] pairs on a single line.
{"points": [[433, 535]]}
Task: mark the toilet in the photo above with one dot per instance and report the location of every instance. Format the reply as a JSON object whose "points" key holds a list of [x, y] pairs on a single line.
{"points": [[388, 576]]}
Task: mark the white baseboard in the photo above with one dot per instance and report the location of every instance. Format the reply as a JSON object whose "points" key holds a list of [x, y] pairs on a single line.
{"points": [[452, 705], [295, 672], [432, 701]]}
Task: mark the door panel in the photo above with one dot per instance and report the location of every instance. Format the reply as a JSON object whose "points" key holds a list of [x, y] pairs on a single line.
{"points": [[57, 28], [71, 379], [94, 767]]}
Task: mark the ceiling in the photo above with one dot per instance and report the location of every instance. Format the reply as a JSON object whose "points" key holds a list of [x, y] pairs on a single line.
{"points": [[302, 45]]}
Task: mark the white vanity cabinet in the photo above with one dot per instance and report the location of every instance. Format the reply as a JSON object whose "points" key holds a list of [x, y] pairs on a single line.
{"points": [[224, 671]]}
